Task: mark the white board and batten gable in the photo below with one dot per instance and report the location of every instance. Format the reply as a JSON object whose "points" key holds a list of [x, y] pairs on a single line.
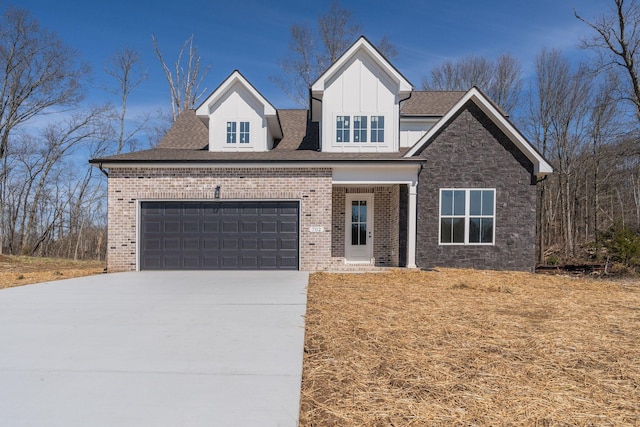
{"points": [[357, 102], [239, 117]]}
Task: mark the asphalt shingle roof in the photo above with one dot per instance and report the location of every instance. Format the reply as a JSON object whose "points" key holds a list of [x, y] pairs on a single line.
{"points": [[430, 103], [188, 138]]}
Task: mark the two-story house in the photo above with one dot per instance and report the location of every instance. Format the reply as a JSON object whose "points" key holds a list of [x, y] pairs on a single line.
{"points": [[372, 174]]}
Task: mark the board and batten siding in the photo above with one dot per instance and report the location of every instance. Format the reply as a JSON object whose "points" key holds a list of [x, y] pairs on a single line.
{"points": [[362, 88], [237, 105]]}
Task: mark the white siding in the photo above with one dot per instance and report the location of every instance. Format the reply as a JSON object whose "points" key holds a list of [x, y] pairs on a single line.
{"points": [[411, 131], [238, 105], [361, 87]]}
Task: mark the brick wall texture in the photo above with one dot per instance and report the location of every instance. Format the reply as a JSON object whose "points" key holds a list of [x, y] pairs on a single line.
{"points": [[471, 152], [127, 186], [386, 214]]}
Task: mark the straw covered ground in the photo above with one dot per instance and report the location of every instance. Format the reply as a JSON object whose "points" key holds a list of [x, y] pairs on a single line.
{"points": [[23, 270], [470, 348]]}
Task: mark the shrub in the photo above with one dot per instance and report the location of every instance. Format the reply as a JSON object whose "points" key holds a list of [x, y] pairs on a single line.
{"points": [[623, 244]]}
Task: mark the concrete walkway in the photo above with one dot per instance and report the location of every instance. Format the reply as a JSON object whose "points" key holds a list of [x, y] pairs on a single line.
{"points": [[154, 349]]}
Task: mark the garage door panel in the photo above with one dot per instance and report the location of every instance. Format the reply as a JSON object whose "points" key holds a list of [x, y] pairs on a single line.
{"points": [[172, 208], [171, 227], [291, 244], [191, 243], [289, 262], [230, 227], [191, 261], [171, 243], [289, 227], [219, 235], [191, 227], [210, 245], [210, 227], [249, 244], [229, 244], [151, 244], [269, 226], [152, 226]]}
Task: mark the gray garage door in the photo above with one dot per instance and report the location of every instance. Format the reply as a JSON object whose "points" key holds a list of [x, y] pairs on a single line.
{"points": [[219, 235]]}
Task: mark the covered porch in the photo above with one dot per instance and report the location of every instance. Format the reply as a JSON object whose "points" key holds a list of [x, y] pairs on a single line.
{"points": [[373, 217]]}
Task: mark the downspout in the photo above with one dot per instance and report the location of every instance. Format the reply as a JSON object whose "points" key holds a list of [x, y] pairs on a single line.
{"points": [[311, 118], [102, 170], [399, 103]]}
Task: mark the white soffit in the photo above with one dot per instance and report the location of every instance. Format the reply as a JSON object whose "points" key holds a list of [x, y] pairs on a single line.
{"points": [[540, 165]]}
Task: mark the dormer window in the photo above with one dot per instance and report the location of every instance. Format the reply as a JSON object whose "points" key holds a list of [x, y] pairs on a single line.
{"points": [[233, 136], [359, 133]]}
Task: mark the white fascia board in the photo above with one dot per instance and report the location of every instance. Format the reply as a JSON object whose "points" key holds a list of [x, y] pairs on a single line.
{"points": [[540, 165], [362, 43], [378, 165], [235, 77]]}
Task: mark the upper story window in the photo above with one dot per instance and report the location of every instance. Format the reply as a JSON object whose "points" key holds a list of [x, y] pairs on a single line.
{"points": [[359, 131], [359, 128], [377, 128], [342, 128], [467, 217], [233, 136]]}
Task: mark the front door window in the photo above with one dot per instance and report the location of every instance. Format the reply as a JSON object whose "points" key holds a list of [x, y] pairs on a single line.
{"points": [[359, 222], [359, 227]]}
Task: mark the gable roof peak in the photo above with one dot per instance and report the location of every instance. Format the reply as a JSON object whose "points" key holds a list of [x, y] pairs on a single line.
{"points": [[233, 78], [363, 44], [540, 165]]}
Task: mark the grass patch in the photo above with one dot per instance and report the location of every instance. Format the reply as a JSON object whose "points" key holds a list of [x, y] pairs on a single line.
{"points": [[470, 348], [22, 270]]}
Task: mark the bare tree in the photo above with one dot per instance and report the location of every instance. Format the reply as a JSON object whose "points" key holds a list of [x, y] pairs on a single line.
{"points": [[501, 79], [186, 77], [617, 40], [125, 68], [37, 72], [313, 50]]}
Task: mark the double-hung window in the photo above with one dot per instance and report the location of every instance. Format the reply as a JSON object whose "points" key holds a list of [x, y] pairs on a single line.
{"points": [[234, 136], [467, 217], [359, 131]]}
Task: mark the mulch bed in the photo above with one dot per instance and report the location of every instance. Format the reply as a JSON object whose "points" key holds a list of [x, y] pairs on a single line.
{"points": [[470, 348]]}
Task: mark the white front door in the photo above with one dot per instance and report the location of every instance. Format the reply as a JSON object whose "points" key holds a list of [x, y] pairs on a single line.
{"points": [[359, 227]]}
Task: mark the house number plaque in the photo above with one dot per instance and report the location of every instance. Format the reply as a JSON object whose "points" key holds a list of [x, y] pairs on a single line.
{"points": [[316, 229]]}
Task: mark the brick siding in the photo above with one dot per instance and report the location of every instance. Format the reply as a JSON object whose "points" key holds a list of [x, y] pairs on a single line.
{"points": [[386, 212], [471, 152], [127, 186]]}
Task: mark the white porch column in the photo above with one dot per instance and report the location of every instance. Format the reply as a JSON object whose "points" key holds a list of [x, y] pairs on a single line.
{"points": [[411, 225]]}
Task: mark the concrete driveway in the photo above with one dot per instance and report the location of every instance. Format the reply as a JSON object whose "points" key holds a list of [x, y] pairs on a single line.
{"points": [[154, 349]]}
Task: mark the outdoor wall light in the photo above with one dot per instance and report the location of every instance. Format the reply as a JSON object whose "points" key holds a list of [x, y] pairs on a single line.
{"points": [[217, 193]]}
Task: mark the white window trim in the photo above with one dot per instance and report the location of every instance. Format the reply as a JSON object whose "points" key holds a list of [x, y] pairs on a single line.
{"points": [[238, 144], [467, 215], [351, 142]]}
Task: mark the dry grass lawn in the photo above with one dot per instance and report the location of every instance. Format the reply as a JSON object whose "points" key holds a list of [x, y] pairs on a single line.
{"points": [[470, 348], [20, 270]]}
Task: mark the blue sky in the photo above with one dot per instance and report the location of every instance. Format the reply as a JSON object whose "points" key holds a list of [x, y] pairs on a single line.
{"points": [[251, 35]]}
